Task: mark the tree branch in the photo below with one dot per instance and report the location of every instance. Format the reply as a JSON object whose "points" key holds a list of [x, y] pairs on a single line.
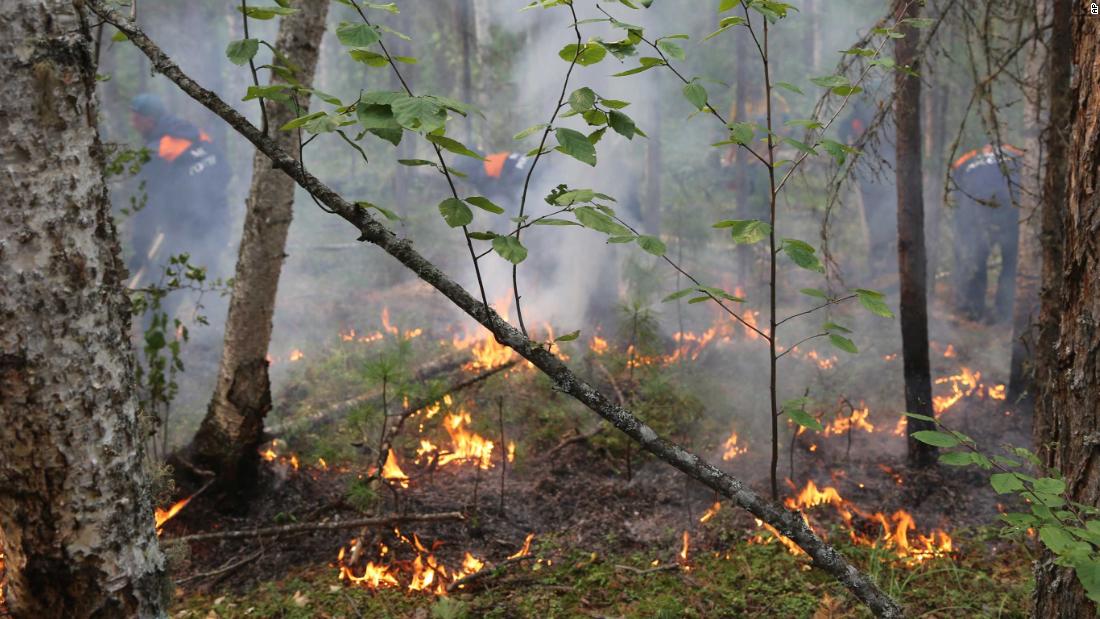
{"points": [[790, 524], [332, 525]]}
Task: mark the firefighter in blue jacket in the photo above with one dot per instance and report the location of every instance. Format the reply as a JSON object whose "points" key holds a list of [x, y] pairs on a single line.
{"points": [[184, 181]]}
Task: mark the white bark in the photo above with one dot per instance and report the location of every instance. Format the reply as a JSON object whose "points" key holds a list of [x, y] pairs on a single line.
{"points": [[76, 521]]}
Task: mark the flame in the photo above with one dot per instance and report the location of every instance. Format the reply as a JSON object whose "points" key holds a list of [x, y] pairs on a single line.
{"points": [[391, 472], [526, 550], [711, 511], [825, 363], [996, 392], [465, 445], [598, 345], [322, 464], [296, 355], [896, 532], [386, 322], [161, 516], [684, 550], [950, 352], [855, 421], [511, 451], [424, 573], [903, 423], [750, 320], [731, 449]]}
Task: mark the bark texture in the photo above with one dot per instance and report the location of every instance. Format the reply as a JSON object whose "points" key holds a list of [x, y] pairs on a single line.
{"points": [[790, 524], [232, 430], [76, 520], [1067, 423], [912, 259]]}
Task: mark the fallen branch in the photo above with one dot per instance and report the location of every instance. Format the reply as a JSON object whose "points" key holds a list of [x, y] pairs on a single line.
{"points": [[789, 523], [579, 438], [331, 525], [660, 568], [493, 572]]}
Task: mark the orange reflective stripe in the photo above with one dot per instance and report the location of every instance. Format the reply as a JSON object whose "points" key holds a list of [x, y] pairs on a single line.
{"points": [[966, 157], [494, 164], [204, 136], [171, 147]]}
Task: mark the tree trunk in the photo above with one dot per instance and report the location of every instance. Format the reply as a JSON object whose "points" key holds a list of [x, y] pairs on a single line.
{"points": [[1067, 416], [76, 518], [912, 262], [1026, 305], [232, 430]]}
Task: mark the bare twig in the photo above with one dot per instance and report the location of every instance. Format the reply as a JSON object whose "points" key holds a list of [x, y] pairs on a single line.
{"points": [[330, 525]]}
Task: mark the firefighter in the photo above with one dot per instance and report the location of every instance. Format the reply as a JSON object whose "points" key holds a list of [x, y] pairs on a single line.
{"points": [[499, 177], [986, 182], [877, 192], [184, 182]]}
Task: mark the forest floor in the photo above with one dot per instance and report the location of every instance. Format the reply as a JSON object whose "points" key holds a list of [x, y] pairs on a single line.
{"points": [[613, 533]]}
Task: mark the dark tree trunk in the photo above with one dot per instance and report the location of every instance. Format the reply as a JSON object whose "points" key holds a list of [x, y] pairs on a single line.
{"points": [[912, 261], [76, 517], [1067, 415], [231, 432]]}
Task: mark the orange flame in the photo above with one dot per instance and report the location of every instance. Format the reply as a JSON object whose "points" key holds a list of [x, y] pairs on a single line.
{"points": [[296, 355], [526, 550], [684, 550], [731, 449], [391, 472], [466, 445], [711, 512], [855, 421], [598, 345], [161, 516]]}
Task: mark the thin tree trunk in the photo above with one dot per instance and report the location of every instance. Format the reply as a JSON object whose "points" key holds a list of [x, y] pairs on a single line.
{"points": [[1029, 263], [912, 262], [76, 524], [1067, 415], [232, 430]]}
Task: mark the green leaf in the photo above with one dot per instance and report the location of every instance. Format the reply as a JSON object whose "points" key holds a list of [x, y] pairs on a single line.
{"points": [[874, 301], [529, 130], [550, 221], [671, 49], [357, 34], [921, 417], [838, 151], [1056, 538], [419, 114], [483, 236], [388, 214], [1050, 485], [582, 99], [788, 86], [1003, 483], [266, 12], [652, 245], [568, 337], [746, 231], [484, 204], [742, 133], [725, 24], [301, 121], [696, 94], [814, 292], [830, 81], [585, 54], [803, 419], [576, 145], [417, 162], [240, 52], [274, 92], [936, 438], [453, 146], [594, 118], [375, 116], [843, 343], [957, 458], [622, 124], [802, 254], [510, 249], [369, 58], [455, 212], [832, 327], [644, 64], [591, 218]]}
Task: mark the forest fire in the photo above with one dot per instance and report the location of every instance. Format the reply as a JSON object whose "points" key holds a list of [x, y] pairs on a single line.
{"points": [[731, 449], [598, 345], [161, 516], [391, 471], [271, 454], [466, 446], [857, 420], [711, 512], [424, 573], [682, 557], [895, 532]]}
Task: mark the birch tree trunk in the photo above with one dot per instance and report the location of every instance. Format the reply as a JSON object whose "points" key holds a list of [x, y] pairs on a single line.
{"points": [[76, 519], [231, 432], [912, 259], [1067, 416]]}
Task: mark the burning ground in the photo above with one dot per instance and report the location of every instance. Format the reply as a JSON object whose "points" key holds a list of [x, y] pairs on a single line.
{"points": [[588, 526]]}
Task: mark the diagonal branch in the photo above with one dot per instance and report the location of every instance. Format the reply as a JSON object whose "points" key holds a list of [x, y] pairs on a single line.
{"points": [[789, 523]]}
